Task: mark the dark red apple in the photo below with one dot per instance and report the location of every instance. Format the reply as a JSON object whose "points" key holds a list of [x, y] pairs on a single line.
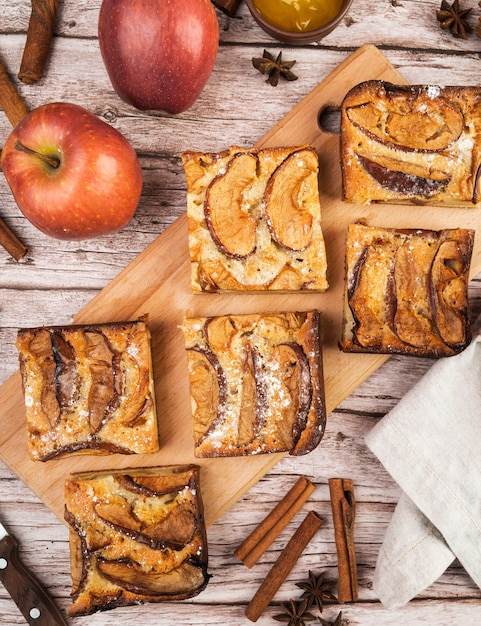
{"points": [[158, 54], [72, 175]]}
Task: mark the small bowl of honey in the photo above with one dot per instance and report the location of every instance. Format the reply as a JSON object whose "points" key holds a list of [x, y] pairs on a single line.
{"points": [[298, 21]]}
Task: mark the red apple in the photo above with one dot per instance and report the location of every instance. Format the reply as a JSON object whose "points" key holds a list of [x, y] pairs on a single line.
{"points": [[71, 174], [159, 54]]}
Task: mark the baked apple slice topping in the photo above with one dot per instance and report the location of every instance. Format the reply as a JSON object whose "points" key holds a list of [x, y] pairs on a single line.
{"points": [[406, 183], [253, 397], [412, 320], [208, 389], [367, 300], [295, 390], [173, 583], [100, 394], [155, 485], [221, 333], [285, 201], [103, 395], [41, 348], [418, 128], [65, 372], [226, 207], [118, 515], [448, 284], [135, 390], [174, 531]]}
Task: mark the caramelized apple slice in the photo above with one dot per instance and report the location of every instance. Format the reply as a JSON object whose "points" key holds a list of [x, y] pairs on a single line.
{"points": [[288, 218], [183, 581], [100, 395], [288, 279], [254, 397], [214, 275], [417, 128], [173, 531], [412, 318], [176, 530], [291, 363], [97, 346], [155, 485], [369, 278], [65, 371], [103, 395], [208, 390], [395, 164], [135, 389], [230, 224], [40, 346], [118, 515], [448, 279], [219, 332], [398, 181]]}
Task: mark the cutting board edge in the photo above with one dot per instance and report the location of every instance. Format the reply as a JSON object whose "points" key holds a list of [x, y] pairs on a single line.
{"points": [[214, 517]]}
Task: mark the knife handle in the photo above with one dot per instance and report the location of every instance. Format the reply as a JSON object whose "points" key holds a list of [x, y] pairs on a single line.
{"points": [[34, 603]]}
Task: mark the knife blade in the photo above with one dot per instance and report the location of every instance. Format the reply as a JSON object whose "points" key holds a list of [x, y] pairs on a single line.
{"points": [[33, 601]]}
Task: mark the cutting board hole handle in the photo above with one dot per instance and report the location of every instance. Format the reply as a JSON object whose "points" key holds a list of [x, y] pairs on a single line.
{"points": [[329, 119]]}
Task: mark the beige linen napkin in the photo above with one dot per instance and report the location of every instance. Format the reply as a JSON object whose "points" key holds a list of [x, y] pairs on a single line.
{"points": [[430, 443]]}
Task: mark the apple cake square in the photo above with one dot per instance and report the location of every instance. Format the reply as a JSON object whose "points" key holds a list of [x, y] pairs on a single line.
{"points": [[88, 388], [256, 383], [255, 220], [416, 144], [406, 291], [136, 535]]}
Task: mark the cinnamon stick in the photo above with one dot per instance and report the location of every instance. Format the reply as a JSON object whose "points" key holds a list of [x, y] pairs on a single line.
{"points": [[39, 39], [227, 6], [15, 109], [11, 243], [10, 100], [254, 546], [343, 506], [283, 565]]}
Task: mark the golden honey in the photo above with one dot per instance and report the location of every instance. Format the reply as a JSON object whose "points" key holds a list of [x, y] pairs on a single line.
{"points": [[298, 15]]}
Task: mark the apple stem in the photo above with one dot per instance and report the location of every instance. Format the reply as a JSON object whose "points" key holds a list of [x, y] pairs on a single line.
{"points": [[50, 160]]}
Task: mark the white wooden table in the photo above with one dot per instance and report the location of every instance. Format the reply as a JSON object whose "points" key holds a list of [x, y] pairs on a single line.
{"points": [[57, 278]]}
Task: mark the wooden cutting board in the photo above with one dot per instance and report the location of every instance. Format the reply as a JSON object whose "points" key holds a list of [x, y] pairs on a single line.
{"points": [[158, 283]]}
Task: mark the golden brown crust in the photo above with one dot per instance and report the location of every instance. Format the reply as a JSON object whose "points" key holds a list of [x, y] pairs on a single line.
{"points": [[406, 291], [88, 389], [137, 535], [418, 144], [256, 383], [255, 220]]}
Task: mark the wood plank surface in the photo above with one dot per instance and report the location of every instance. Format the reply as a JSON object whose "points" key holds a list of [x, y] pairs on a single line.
{"points": [[58, 279]]}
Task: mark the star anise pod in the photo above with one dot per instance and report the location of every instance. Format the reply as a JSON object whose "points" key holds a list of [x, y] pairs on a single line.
{"points": [[336, 622], [317, 590], [452, 17], [295, 613], [275, 68]]}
